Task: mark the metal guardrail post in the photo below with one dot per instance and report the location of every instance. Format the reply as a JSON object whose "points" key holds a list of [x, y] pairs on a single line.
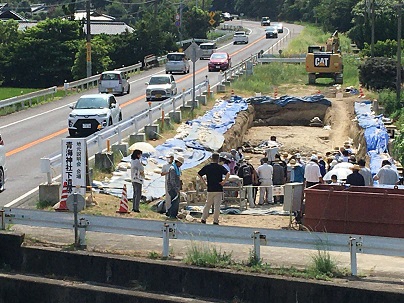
{"points": [[150, 114], [183, 97], [174, 105], [354, 247], [166, 240], [3, 223], [99, 141], [119, 135], [256, 242]]}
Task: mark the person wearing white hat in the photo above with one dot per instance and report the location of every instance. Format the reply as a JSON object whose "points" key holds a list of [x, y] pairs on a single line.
{"points": [[174, 186], [137, 177], [312, 174], [164, 172]]}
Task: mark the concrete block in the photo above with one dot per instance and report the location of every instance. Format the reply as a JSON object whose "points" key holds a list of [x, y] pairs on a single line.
{"points": [[120, 148], [167, 123], [221, 88], [186, 109], [226, 83], [140, 137], [202, 99], [210, 95], [195, 103], [152, 132], [104, 161], [50, 193], [175, 116]]}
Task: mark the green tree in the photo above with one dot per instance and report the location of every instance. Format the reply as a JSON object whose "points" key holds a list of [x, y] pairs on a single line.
{"points": [[9, 34], [378, 73], [100, 60], [196, 23], [335, 14], [43, 55]]}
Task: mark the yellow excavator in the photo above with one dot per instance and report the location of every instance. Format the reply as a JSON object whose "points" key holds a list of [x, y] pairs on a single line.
{"points": [[325, 61]]}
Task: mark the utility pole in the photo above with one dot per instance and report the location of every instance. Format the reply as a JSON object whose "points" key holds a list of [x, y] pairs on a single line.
{"points": [[398, 83], [372, 43], [88, 39]]}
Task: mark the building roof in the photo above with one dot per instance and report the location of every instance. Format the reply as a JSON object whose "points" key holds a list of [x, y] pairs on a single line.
{"points": [[2, 6], [7, 15], [109, 28], [94, 16], [39, 7]]}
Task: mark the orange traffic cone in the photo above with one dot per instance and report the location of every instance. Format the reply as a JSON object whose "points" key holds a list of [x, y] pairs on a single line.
{"points": [[361, 94], [232, 92], [318, 92], [63, 198], [276, 93], [123, 204]]}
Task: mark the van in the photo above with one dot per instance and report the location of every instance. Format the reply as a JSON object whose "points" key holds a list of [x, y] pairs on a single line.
{"points": [[177, 63], [114, 82], [207, 49]]}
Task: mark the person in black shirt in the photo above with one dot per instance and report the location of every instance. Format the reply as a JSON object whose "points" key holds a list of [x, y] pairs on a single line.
{"points": [[214, 173], [249, 175], [355, 178]]}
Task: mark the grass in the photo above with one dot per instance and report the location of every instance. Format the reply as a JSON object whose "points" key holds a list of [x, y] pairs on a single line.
{"points": [[6, 93], [205, 255]]}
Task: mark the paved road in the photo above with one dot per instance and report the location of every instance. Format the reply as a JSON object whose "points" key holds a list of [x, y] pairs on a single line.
{"points": [[37, 132]]}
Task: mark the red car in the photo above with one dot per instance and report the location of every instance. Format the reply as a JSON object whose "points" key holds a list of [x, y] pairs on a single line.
{"points": [[219, 61]]}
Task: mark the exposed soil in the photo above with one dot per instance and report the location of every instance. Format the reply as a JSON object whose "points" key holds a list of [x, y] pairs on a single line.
{"points": [[303, 139]]}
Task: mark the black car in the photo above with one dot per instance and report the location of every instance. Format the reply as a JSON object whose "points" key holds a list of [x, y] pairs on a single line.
{"points": [[271, 32]]}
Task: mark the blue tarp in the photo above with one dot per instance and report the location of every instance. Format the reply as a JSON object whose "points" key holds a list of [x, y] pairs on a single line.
{"points": [[375, 134], [219, 119], [285, 100]]}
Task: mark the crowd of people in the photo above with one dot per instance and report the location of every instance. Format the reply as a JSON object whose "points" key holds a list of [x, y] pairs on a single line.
{"points": [[276, 168]]}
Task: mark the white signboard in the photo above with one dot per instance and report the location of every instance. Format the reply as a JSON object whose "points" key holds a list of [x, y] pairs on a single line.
{"points": [[74, 164]]}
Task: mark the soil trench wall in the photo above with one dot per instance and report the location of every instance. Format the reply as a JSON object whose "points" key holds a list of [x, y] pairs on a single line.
{"points": [[293, 114], [122, 274]]}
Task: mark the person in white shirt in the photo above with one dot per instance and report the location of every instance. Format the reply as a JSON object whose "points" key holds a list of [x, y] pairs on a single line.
{"points": [[164, 172], [366, 173], [265, 174], [137, 177], [312, 174]]}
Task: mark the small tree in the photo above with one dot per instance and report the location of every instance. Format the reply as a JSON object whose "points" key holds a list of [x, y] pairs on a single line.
{"points": [[378, 73]]}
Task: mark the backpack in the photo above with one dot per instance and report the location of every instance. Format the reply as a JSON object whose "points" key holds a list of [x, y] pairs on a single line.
{"points": [[246, 171]]}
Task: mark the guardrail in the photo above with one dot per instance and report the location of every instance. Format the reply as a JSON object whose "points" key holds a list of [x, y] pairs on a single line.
{"points": [[281, 60], [29, 97], [210, 233], [238, 69], [91, 82], [134, 124]]}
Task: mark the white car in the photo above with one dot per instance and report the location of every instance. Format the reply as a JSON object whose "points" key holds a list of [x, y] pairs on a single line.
{"points": [[114, 82], [240, 37], [161, 87], [278, 26], [92, 113], [2, 164]]}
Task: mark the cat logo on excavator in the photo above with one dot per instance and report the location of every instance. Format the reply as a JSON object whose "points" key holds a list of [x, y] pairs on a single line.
{"points": [[325, 61]]}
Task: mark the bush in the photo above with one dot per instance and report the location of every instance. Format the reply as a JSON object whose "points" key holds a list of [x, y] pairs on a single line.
{"points": [[388, 99], [378, 73]]}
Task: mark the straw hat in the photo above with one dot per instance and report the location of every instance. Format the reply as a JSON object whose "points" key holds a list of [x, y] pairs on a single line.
{"points": [[293, 163], [355, 167], [180, 159]]}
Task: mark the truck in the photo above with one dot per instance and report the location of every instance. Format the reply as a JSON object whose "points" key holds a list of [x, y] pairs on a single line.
{"points": [[325, 61]]}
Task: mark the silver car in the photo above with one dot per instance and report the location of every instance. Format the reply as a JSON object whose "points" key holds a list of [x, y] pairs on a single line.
{"points": [[161, 87], [113, 82], [92, 113], [2, 164], [177, 63]]}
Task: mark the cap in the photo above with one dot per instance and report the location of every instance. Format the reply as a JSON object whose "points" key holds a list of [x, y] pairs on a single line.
{"points": [[170, 155], [314, 157], [297, 156], [180, 159], [232, 150]]}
